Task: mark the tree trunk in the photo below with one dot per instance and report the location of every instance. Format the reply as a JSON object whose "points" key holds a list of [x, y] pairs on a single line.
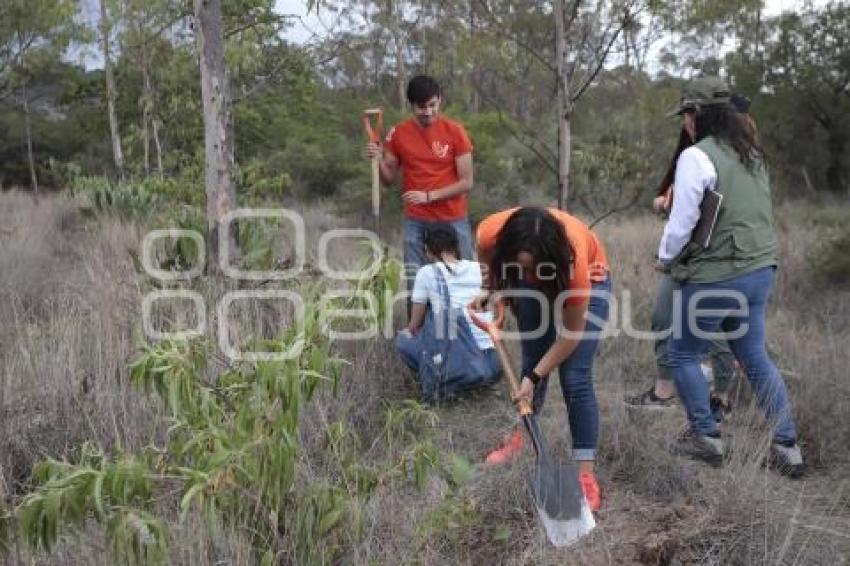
{"points": [[117, 153], [147, 103], [564, 106], [474, 78], [28, 129], [397, 8], [146, 142], [157, 145], [218, 143]]}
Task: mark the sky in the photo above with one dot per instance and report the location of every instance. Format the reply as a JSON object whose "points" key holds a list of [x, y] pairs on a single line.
{"points": [[307, 24]]}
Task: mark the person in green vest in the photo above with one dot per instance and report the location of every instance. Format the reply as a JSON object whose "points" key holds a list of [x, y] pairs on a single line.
{"points": [[721, 370], [724, 285]]}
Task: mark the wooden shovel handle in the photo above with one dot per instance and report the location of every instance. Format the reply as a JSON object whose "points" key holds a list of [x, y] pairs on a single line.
{"points": [[494, 329], [375, 134]]}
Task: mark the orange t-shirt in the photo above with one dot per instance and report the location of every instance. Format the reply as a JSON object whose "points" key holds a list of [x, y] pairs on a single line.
{"points": [[427, 157], [590, 262]]}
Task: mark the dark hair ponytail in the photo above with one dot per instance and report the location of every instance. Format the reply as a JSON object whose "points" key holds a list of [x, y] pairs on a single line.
{"points": [[440, 239], [685, 142]]}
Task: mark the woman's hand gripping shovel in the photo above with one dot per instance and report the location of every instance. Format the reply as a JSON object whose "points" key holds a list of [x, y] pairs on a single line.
{"points": [[554, 485], [375, 132]]}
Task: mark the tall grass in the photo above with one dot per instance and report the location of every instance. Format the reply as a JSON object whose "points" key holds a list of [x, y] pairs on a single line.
{"points": [[71, 302]]}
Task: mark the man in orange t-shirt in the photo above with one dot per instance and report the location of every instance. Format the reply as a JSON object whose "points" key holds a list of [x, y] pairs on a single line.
{"points": [[434, 155]]}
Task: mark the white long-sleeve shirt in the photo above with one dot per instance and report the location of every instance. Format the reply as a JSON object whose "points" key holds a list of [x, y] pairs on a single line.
{"points": [[695, 173]]}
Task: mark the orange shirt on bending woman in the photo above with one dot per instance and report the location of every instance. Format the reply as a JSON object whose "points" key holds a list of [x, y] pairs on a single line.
{"points": [[589, 260]]}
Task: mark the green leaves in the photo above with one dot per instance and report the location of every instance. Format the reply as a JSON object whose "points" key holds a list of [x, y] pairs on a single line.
{"points": [[234, 455], [68, 495], [137, 537], [459, 469]]}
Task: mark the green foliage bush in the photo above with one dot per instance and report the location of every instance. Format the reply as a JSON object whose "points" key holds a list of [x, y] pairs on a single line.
{"points": [[831, 259], [130, 201], [232, 454], [320, 166], [266, 179]]}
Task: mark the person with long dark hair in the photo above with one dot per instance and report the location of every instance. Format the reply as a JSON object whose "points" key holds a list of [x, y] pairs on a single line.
{"points": [[726, 284], [554, 271], [721, 368]]}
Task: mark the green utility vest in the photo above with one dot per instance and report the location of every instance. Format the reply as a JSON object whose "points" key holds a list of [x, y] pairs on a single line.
{"points": [[743, 239]]}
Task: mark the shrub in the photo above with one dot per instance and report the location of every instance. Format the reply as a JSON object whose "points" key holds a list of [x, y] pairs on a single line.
{"points": [[830, 259], [231, 454], [130, 201], [264, 179]]}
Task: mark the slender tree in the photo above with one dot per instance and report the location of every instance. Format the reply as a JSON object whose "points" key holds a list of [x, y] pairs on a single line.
{"points": [[218, 140], [115, 135]]}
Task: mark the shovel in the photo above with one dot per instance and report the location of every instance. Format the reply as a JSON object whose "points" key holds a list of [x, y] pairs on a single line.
{"points": [[554, 485], [375, 133]]}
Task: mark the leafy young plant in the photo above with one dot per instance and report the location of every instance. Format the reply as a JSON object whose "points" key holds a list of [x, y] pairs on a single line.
{"points": [[232, 450], [382, 285], [116, 493], [232, 453]]}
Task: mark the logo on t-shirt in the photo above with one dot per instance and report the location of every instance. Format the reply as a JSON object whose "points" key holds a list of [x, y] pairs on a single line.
{"points": [[440, 150]]}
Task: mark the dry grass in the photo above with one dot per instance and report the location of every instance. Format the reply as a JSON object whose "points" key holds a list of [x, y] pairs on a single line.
{"points": [[71, 303]]}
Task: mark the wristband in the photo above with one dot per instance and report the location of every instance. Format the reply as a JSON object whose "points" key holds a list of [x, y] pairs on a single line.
{"points": [[533, 376]]}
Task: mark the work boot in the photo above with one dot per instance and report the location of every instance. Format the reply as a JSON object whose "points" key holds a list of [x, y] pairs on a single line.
{"points": [[786, 458], [708, 448], [509, 449]]}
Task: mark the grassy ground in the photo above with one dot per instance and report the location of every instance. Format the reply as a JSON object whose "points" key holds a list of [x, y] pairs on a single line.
{"points": [[71, 303]]}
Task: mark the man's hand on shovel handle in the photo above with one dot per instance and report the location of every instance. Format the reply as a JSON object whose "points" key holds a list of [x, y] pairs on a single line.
{"points": [[373, 149]]}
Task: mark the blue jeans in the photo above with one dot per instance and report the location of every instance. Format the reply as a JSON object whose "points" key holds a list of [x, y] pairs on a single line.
{"points": [[478, 368], [727, 314], [413, 232], [575, 373], [722, 360], [406, 350]]}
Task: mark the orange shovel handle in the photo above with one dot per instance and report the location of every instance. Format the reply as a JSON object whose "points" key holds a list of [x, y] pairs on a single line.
{"points": [[376, 132], [494, 329]]}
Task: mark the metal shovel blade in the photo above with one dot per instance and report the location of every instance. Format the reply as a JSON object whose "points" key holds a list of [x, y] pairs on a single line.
{"points": [[557, 494], [560, 503]]}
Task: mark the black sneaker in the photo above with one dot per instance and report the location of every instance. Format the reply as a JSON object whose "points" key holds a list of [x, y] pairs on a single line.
{"points": [[708, 448], [786, 458], [649, 400]]}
